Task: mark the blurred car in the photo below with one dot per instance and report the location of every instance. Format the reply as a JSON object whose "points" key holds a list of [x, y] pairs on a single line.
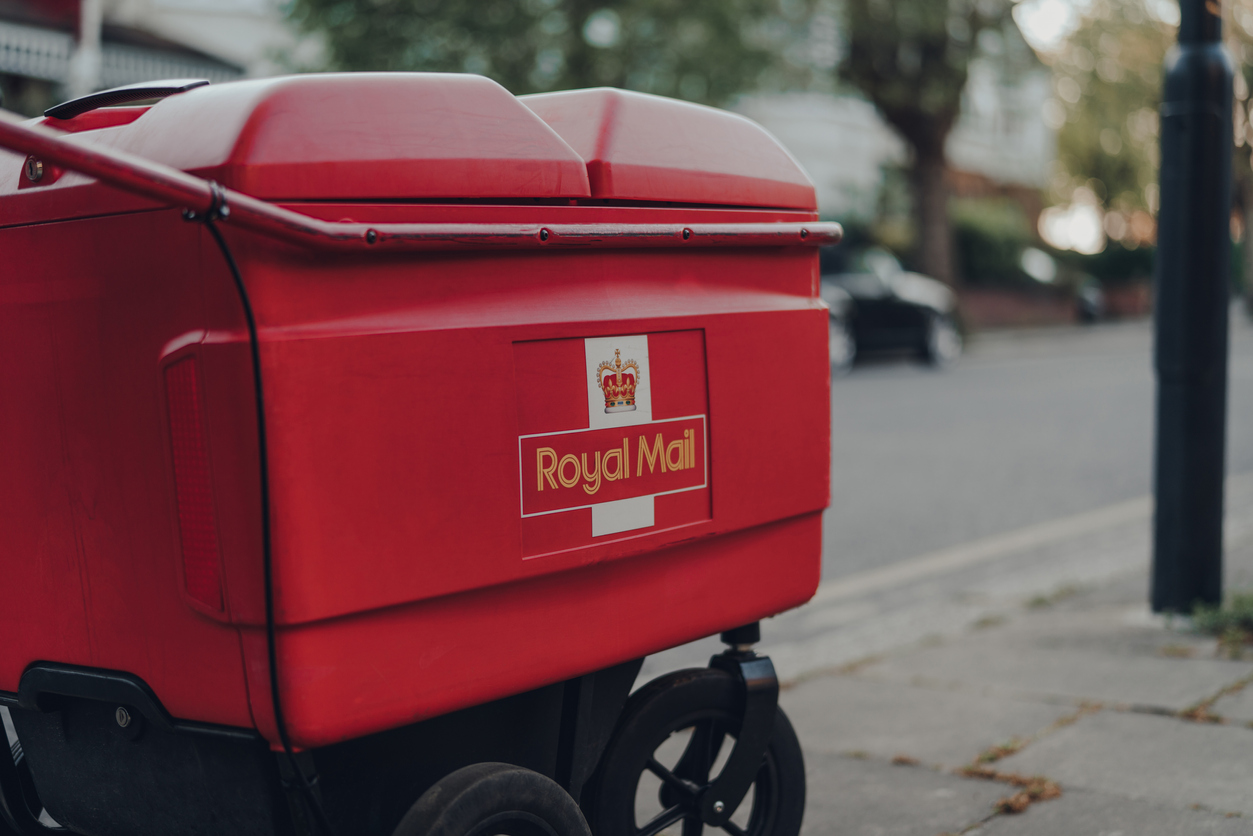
{"points": [[878, 305], [1089, 301], [841, 344]]}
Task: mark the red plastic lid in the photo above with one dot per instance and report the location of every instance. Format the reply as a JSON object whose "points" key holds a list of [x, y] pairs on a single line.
{"points": [[358, 136], [641, 147]]}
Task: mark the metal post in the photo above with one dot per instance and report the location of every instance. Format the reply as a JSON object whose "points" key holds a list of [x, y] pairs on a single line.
{"points": [[84, 73], [1191, 311]]}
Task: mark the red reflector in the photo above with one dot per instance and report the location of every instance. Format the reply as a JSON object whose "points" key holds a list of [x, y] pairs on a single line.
{"points": [[193, 485]]}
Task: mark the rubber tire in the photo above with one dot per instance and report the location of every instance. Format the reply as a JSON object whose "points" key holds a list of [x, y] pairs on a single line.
{"points": [[489, 799], [841, 346], [673, 702]]}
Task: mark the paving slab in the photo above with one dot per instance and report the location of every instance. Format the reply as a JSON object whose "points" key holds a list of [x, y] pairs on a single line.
{"points": [[1122, 629], [1104, 656], [841, 714], [852, 797], [1162, 760], [1086, 813], [1236, 708], [1238, 562]]}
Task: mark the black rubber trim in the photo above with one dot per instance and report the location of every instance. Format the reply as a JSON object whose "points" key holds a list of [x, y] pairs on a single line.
{"points": [[121, 95], [43, 682], [9, 699], [306, 787]]}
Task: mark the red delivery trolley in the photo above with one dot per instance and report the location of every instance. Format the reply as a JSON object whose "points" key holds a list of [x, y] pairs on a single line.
{"points": [[361, 435]]}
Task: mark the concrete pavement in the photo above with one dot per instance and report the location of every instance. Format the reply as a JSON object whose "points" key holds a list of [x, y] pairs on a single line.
{"points": [[1086, 692], [1140, 725], [928, 692]]}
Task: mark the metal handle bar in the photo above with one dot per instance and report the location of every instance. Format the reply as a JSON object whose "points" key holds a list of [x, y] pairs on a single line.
{"points": [[204, 197], [121, 95]]}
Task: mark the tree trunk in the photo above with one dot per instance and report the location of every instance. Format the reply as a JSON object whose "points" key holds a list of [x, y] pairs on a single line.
{"points": [[930, 193]]}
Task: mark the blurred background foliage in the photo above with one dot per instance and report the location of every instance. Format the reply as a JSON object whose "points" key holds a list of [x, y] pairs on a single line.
{"points": [[1115, 265], [700, 50], [1108, 82], [1239, 36], [990, 236]]}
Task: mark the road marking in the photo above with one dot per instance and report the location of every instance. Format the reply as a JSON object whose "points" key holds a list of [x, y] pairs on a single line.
{"points": [[992, 548]]}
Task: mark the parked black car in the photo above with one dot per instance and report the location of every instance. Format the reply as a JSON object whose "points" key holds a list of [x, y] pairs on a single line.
{"points": [[877, 305], [1089, 301]]}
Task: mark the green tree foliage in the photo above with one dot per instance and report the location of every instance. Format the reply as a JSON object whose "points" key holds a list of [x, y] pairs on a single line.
{"points": [[1107, 91], [911, 58], [1107, 84], [1239, 30], [700, 50], [990, 236]]}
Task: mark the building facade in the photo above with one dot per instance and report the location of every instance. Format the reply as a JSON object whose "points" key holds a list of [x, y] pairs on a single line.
{"points": [[1000, 146], [51, 50]]}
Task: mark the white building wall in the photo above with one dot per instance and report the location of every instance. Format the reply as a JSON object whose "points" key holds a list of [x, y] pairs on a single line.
{"points": [[50, 55], [35, 53], [252, 34], [841, 142], [1001, 133], [844, 144]]}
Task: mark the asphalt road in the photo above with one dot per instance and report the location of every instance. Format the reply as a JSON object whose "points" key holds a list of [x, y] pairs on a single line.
{"points": [[1029, 427]]}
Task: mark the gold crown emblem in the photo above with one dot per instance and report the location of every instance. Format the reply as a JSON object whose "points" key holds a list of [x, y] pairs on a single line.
{"points": [[618, 381]]}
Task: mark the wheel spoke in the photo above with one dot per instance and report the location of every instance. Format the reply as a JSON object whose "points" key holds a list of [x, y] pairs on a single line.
{"points": [[733, 828], [692, 826], [702, 750], [661, 821], [670, 779]]}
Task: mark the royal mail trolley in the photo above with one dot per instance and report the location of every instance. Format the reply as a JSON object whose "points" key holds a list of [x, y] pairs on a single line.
{"points": [[361, 434]]}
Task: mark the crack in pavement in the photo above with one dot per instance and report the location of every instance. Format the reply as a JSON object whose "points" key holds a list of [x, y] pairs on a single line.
{"points": [[1200, 712]]}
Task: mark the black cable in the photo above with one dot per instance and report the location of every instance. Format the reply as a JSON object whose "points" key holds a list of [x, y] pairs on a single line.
{"points": [[219, 210]]}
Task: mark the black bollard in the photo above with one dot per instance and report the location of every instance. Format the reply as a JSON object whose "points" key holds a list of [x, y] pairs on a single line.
{"points": [[1190, 314]]}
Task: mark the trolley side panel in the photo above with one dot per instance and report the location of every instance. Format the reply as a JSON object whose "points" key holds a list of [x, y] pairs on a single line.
{"points": [[393, 403], [353, 676], [397, 408], [89, 314]]}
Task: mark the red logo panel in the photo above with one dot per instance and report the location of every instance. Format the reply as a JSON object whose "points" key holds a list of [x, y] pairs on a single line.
{"points": [[613, 438]]}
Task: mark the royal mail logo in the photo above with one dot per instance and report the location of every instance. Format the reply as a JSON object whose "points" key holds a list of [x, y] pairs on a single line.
{"points": [[619, 392], [674, 456], [624, 459], [617, 380], [615, 472]]}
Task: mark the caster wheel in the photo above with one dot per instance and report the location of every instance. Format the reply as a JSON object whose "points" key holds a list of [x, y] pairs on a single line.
{"points": [[671, 741], [494, 799]]}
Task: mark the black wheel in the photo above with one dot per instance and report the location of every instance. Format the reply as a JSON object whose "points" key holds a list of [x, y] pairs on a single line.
{"points": [[942, 342], [494, 799], [841, 346], [673, 736]]}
